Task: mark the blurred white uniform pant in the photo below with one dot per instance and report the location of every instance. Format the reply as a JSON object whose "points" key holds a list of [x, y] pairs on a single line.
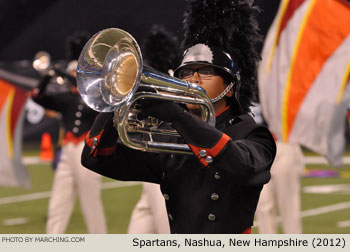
{"points": [[149, 215], [282, 192], [72, 179]]}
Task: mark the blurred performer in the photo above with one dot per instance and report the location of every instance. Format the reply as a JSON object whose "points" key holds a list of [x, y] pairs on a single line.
{"points": [[58, 146], [216, 189], [71, 179], [149, 215], [282, 193]]}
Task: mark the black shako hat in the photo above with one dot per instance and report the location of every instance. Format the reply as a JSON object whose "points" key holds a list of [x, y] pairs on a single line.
{"points": [[205, 55], [224, 34]]}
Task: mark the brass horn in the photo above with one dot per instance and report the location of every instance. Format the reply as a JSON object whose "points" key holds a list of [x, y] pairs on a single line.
{"points": [[43, 64], [111, 77], [42, 61]]}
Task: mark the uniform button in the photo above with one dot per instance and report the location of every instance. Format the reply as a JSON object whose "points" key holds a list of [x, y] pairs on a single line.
{"points": [[211, 217], [231, 121], [202, 153], [166, 196], [80, 106], [77, 122], [209, 159], [51, 72], [217, 176], [238, 75], [94, 143], [78, 114], [170, 217], [75, 130], [214, 196]]}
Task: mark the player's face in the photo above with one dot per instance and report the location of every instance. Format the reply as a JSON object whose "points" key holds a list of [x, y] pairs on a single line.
{"points": [[207, 78]]}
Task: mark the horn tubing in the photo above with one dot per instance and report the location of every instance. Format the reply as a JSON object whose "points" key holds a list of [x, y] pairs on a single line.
{"points": [[109, 75]]}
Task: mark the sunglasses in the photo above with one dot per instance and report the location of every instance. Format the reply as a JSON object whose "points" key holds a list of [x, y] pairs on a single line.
{"points": [[203, 73]]}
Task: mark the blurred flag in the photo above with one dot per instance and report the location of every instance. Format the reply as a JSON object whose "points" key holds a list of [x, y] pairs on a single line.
{"points": [[304, 75], [12, 104]]}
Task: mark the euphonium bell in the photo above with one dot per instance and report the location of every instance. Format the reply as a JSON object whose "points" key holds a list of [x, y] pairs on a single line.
{"points": [[111, 77]]}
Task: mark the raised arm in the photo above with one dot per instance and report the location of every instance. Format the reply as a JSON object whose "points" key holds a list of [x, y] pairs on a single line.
{"points": [[244, 150]]}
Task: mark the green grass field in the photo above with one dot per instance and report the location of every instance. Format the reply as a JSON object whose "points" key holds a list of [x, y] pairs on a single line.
{"points": [[29, 216]]}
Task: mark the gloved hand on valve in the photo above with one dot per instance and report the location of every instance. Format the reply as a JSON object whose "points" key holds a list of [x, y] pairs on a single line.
{"points": [[163, 110]]}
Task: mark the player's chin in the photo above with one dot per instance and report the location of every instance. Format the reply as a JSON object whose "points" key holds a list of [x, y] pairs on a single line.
{"points": [[194, 108]]}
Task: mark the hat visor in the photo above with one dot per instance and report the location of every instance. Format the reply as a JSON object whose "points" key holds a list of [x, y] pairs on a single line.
{"points": [[222, 70]]}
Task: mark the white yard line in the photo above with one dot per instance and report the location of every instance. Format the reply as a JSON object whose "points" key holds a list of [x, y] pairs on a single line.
{"points": [[15, 221], [343, 224], [322, 210], [24, 197], [326, 209], [30, 160], [43, 195], [323, 160]]}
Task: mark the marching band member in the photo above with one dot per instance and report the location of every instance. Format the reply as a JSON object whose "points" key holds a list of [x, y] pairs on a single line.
{"points": [[71, 178], [215, 190]]}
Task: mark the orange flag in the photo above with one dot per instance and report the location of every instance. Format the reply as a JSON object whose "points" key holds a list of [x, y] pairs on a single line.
{"points": [[304, 75]]}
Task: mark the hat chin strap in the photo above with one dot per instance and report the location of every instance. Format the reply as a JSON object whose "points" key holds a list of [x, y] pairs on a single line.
{"points": [[220, 96]]}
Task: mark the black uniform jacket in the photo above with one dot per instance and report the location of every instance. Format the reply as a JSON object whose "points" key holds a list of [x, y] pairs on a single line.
{"points": [[214, 191], [77, 117]]}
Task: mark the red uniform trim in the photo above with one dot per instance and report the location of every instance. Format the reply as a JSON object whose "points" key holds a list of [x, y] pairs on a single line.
{"points": [[222, 111], [274, 137], [69, 137], [90, 141], [247, 231], [106, 151], [213, 152], [98, 151]]}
